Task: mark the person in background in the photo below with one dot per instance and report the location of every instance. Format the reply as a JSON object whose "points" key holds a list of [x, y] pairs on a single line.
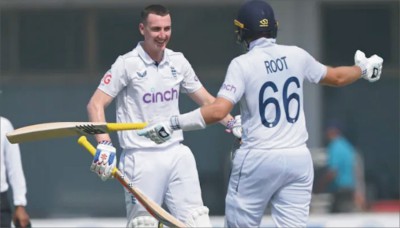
{"points": [[273, 164], [12, 174], [342, 171]]}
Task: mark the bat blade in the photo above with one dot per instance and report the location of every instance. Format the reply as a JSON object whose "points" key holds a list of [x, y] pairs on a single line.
{"points": [[65, 129]]}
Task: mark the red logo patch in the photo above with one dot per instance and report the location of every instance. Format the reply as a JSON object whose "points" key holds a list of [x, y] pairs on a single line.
{"points": [[104, 156], [107, 78]]}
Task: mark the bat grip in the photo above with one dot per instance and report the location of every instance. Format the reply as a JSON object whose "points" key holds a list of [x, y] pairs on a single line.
{"points": [[125, 126], [89, 147]]}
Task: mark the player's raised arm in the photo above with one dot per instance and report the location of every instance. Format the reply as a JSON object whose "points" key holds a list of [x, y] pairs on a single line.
{"points": [[367, 68]]}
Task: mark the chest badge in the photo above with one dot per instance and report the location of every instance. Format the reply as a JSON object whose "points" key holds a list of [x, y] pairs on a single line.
{"points": [[142, 74], [173, 71]]}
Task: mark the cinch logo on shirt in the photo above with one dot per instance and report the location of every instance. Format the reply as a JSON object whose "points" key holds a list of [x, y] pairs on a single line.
{"points": [[156, 97], [230, 88]]}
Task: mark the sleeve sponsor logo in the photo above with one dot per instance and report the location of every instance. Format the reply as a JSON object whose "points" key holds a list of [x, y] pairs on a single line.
{"points": [[107, 78], [229, 88]]}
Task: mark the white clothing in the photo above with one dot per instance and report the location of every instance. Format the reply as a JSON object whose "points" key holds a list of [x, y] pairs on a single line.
{"points": [[273, 164], [147, 92], [268, 84], [11, 167], [283, 177], [165, 175]]}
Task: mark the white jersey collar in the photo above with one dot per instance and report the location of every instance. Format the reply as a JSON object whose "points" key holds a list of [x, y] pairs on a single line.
{"points": [[261, 42], [146, 58]]}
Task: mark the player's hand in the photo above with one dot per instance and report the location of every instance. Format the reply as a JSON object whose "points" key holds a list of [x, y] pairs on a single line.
{"points": [[104, 160], [21, 218], [234, 126], [371, 67], [158, 133], [236, 145]]}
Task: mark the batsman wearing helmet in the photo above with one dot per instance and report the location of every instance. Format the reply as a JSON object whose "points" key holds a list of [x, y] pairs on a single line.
{"points": [[273, 164]]}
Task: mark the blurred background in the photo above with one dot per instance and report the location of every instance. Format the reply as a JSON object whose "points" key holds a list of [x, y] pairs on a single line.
{"points": [[54, 53]]}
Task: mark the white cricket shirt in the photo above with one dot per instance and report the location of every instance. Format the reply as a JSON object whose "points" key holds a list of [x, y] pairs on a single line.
{"points": [[267, 82], [147, 92], [11, 166]]}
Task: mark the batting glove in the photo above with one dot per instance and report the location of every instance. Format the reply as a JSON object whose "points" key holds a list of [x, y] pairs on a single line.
{"points": [[371, 68], [234, 126], [158, 133], [104, 161]]}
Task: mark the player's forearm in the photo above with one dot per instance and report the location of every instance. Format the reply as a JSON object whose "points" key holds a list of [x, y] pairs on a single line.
{"points": [[214, 113], [203, 99], [218, 111], [341, 76], [227, 117], [215, 118], [96, 114]]}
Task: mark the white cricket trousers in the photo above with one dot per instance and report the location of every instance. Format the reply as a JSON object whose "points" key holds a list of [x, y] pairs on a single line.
{"points": [[283, 177], [165, 175]]}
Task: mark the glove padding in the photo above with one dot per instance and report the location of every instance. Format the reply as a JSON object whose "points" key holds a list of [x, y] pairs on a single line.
{"points": [[234, 126], [158, 133], [104, 161], [371, 67]]}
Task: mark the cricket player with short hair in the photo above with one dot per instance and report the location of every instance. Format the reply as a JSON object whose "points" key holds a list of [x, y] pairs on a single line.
{"points": [[146, 83], [273, 164]]}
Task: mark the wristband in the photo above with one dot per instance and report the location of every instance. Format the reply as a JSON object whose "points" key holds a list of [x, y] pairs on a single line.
{"points": [[230, 123], [363, 68], [105, 142], [189, 121]]}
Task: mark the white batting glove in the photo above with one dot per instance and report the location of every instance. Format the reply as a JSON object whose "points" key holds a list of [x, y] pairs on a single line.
{"points": [[234, 126], [371, 67], [158, 133], [104, 161]]}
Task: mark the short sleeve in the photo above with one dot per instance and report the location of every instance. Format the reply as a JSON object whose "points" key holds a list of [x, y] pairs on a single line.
{"points": [[314, 71], [234, 84], [190, 82], [115, 79]]}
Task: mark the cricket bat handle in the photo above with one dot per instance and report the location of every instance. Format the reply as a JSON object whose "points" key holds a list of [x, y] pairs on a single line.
{"points": [[125, 126], [85, 143]]}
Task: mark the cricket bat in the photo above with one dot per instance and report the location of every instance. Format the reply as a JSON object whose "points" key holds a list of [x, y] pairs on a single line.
{"points": [[65, 129], [153, 208]]}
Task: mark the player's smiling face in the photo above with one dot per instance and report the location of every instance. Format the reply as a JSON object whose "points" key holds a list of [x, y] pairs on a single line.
{"points": [[156, 32]]}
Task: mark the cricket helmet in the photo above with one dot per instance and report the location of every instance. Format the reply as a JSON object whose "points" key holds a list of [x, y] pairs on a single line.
{"points": [[255, 19]]}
